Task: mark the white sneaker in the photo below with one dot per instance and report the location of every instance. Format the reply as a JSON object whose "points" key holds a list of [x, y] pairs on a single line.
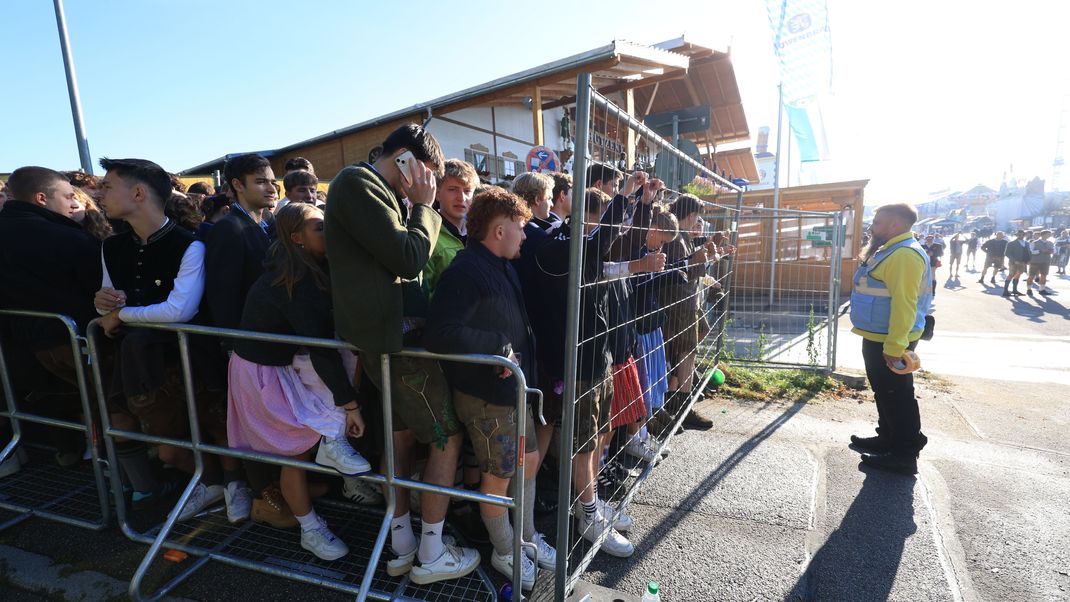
{"points": [[339, 455], [239, 500], [615, 543], [402, 563], [637, 449], [202, 497], [13, 463], [362, 492], [621, 521], [547, 553], [324, 544], [504, 564], [453, 563]]}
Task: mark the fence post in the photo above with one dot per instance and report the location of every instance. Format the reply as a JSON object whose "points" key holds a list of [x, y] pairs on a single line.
{"points": [[388, 459], [835, 286], [198, 472], [572, 331], [728, 282], [9, 396]]}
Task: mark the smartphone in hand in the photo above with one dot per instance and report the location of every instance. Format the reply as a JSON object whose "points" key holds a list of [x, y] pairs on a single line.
{"points": [[405, 162]]}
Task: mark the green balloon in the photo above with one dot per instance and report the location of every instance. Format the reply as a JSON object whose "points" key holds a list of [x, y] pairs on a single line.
{"points": [[718, 377]]}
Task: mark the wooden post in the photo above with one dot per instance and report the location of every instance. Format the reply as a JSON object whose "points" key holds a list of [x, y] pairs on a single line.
{"points": [[536, 115], [629, 142]]}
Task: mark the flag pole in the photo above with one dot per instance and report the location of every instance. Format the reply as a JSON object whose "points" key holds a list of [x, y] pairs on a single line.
{"points": [[72, 90], [776, 193]]}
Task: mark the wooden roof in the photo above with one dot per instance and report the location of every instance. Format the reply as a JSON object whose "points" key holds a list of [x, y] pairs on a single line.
{"points": [[710, 80]]}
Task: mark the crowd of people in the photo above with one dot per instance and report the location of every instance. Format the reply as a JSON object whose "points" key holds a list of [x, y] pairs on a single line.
{"points": [[406, 250], [1031, 253]]}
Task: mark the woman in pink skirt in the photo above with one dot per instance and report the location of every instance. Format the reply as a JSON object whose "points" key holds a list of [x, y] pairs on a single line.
{"points": [[284, 399]]}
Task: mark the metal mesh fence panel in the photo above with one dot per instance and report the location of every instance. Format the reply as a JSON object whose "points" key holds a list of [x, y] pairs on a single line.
{"points": [[786, 288], [51, 467], [651, 260]]}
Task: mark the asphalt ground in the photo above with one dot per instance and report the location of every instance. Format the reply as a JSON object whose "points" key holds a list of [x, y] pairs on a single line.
{"points": [[771, 504]]}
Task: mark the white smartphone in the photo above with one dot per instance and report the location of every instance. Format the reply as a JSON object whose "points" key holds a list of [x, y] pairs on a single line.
{"points": [[405, 162]]}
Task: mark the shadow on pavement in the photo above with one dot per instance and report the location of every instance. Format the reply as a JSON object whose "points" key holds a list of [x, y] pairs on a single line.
{"points": [[860, 559], [617, 568]]}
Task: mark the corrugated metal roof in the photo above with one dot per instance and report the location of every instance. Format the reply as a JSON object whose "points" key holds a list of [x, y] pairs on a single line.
{"points": [[635, 60]]}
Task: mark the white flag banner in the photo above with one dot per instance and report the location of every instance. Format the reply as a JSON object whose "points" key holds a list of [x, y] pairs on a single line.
{"points": [[803, 44]]}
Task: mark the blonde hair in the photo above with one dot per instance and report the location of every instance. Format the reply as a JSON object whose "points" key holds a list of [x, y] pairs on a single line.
{"points": [[95, 222], [532, 186], [462, 170]]}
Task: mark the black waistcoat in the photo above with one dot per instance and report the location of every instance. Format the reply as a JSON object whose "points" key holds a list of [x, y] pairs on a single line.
{"points": [[146, 272]]}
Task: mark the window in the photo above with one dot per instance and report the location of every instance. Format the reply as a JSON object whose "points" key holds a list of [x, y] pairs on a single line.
{"points": [[490, 166]]}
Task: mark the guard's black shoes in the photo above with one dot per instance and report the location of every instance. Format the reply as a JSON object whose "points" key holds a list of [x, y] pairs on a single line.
{"points": [[873, 445], [903, 464]]}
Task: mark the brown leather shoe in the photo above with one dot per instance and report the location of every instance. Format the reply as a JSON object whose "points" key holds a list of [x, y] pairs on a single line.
{"points": [[271, 509]]}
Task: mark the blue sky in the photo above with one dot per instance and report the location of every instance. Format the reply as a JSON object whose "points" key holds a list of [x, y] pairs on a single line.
{"points": [[928, 95]]}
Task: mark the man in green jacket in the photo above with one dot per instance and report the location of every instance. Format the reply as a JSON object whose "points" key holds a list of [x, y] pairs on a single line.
{"points": [[377, 247], [454, 196]]}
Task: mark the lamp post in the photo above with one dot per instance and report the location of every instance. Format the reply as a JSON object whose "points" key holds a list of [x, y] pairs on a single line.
{"points": [[72, 90]]}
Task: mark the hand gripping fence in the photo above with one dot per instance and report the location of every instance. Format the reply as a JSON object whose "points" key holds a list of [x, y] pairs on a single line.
{"points": [[74, 495], [608, 135], [252, 546]]}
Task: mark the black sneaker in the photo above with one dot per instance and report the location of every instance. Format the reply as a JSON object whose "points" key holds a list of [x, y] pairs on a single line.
{"points": [[1007, 294], [874, 445], [697, 421], [903, 464], [1028, 291]]}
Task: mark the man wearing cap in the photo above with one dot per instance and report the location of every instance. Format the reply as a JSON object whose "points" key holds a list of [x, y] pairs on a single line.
{"points": [[891, 296]]}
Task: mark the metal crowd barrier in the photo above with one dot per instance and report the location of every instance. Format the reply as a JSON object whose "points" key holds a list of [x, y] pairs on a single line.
{"points": [[593, 110], [331, 575], [74, 496]]}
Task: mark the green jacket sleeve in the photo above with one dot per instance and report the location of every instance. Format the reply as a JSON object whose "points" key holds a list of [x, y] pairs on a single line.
{"points": [[903, 271], [436, 264], [369, 212]]}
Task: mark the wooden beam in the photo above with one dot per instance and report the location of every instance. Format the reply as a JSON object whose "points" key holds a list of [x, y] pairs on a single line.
{"points": [[460, 123], [522, 89], [536, 115], [691, 91], [628, 85]]}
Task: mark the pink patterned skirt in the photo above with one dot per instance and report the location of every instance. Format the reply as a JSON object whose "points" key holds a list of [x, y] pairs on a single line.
{"points": [[281, 409]]}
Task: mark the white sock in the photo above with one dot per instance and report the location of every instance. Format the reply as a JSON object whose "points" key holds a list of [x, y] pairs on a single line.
{"points": [[643, 433], [402, 539], [431, 541], [590, 508], [309, 521]]}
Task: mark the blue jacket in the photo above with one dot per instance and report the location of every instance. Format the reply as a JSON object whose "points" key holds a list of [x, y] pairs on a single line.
{"points": [[871, 301]]}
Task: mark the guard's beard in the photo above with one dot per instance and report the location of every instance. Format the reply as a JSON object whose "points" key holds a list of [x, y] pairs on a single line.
{"points": [[874, 244]]}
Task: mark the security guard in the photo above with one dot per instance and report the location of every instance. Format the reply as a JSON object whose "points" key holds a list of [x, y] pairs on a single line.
{"points": [[891, 297]]}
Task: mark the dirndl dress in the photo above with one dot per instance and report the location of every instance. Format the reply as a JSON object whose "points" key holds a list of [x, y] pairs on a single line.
{"points": [[627, 406], [653, 370], [282, 410]]}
